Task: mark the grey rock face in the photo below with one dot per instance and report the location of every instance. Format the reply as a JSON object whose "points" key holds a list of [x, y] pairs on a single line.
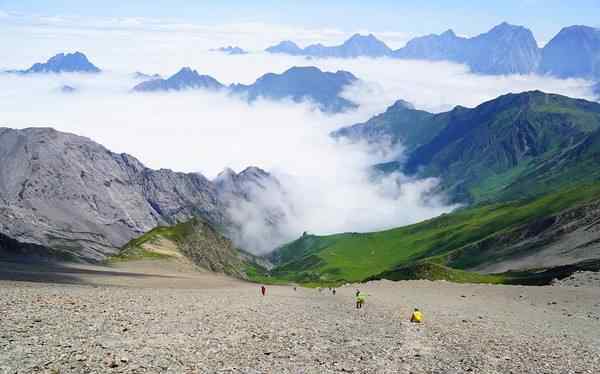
{"points": [[186, 78], [64, 63], [69, 193], [574, 52], [357, 46]]}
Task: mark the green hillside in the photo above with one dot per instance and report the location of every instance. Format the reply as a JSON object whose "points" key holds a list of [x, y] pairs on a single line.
{"points": [[194, 242], [433, 249], [516, 145], [400, 123], [487, 153]]}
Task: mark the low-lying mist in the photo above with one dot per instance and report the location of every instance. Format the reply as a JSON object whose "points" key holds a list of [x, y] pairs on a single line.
{"points": [[327, 185]]}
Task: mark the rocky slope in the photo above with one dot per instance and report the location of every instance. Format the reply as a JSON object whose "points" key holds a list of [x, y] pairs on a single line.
{"points": [[66, 192], [200, 329], [194, 242], [568, 237]]}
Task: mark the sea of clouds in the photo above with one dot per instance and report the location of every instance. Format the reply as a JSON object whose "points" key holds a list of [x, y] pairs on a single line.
{"points": [[328, 186]]}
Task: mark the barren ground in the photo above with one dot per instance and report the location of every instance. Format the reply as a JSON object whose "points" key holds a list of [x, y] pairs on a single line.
{"points": [[155, 317]]}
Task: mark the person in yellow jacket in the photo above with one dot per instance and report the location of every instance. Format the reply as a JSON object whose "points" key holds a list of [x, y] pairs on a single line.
{"points": [[417, 316], [360, 299]]}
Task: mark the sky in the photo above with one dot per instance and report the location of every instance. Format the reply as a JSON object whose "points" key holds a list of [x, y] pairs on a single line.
{"points": [[410, 17]]}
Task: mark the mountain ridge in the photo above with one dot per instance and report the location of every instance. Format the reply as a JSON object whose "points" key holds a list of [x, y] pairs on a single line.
{"points": [[486, 152], [297, 83], [504, 49], [69, 193]]}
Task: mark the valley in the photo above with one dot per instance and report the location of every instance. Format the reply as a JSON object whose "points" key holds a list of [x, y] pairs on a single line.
{"points": [[205, 195]]}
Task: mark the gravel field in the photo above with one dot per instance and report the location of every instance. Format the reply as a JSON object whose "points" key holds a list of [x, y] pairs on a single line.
{"points": [[201, 323]]}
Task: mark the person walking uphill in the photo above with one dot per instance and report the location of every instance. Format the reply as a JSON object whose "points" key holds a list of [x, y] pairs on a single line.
{"points": [[263, 290], [360, 299]]}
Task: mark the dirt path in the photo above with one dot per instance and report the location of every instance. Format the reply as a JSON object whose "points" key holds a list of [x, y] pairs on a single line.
{"points": [[66, 328]]}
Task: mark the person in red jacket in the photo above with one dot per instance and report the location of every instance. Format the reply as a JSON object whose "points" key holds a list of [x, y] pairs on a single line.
{"points": [[263, 290]]}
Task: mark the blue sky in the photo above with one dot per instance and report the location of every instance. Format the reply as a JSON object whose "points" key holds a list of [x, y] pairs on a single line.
{"points": [[467, 17]]}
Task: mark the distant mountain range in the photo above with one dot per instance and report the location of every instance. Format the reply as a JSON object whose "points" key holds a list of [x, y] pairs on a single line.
{"points": [[514, 146], [357, 46], [301, 83], [184, 79], [505, 49], [297, 84], [143, 76], [68, 89], [70, 194], [63, 63], [231, 50]]}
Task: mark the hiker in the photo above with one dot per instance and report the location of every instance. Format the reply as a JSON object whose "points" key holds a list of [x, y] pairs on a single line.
{"points": [[263, 290], [417, 316], [360, 300], [333, 291], [294, 288]]}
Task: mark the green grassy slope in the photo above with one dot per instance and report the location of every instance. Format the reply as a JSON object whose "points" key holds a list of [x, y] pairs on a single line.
{"points": [[487, 153], [423, 248], [194, 241]]}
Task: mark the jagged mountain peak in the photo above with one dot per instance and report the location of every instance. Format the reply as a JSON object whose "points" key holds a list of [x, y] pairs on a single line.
{"points": [[400, 105], [448, 33], [75, 62], [185, 78]]}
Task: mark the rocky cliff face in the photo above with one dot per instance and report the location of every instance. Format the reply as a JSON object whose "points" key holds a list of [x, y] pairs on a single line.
{"points": [[69, 193]]}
